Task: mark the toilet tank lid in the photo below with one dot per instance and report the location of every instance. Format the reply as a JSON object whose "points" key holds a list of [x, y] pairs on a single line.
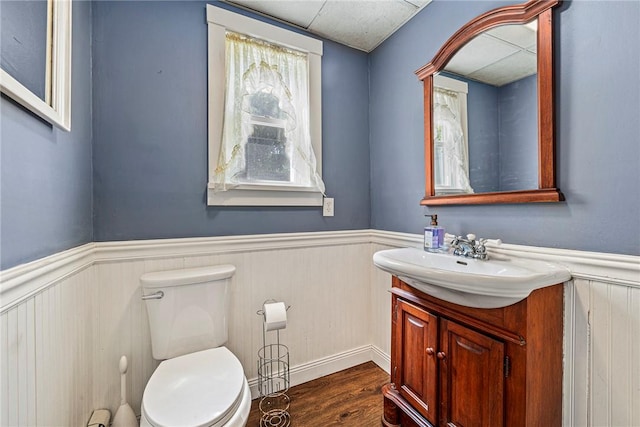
{"points": [[187, 276]]}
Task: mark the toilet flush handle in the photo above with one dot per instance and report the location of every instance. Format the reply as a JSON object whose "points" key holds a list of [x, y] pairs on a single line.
{"points": [[155, 295]]}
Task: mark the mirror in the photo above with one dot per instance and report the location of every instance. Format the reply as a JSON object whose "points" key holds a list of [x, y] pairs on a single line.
{"points": [[485, 115], [489, 111], [25, 39], [35, 57]]}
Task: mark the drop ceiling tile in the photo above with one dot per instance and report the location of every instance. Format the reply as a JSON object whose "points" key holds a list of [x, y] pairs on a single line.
{"points": [[507, 70], [298, 12], [520, 35], [419, 3], [361, 24], [478, 54]]}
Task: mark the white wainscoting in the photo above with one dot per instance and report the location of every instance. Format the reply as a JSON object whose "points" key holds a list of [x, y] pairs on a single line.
{"points": [[602, 354], [65, 320]]}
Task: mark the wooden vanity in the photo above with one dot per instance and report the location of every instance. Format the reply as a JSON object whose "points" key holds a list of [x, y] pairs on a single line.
{"points": [[453, 365]]}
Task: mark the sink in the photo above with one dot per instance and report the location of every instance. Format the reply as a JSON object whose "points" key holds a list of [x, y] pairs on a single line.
{"points": [[469, 282]]}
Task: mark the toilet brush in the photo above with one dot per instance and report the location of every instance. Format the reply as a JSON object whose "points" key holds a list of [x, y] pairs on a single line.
{"points": [[124, 415]]}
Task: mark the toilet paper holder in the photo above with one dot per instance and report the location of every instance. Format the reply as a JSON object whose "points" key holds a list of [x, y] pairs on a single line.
{"points": [[273, 374], [269, 301]]}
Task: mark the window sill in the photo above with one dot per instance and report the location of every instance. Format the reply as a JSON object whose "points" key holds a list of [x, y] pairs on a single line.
{"points": [[443, 191], [252, 196]]}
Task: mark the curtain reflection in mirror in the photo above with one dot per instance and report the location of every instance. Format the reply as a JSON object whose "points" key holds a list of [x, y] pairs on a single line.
{"points": [[451, 151]]}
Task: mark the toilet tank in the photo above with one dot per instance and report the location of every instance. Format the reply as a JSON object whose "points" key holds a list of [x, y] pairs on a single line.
{"points": [[187, 309]]}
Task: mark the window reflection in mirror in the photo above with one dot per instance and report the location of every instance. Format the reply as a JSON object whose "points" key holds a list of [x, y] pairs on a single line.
{"points": [[486, 131], [25, 44], [450, 136]]}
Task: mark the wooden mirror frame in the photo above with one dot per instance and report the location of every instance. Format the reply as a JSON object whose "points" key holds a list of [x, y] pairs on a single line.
{"points": [[516, 14]]}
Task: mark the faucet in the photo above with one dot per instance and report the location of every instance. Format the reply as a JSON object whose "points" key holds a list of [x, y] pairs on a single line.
{"points": [[469, 247]]}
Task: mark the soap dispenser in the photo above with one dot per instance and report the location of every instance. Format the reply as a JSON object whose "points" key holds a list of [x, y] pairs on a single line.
{"points": [[433, 235]]}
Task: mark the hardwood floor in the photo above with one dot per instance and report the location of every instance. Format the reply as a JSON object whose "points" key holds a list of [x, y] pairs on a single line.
{"points": [[347, 398]]}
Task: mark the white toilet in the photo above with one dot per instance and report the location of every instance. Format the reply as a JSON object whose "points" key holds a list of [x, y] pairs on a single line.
{"points": [[199, 382]]}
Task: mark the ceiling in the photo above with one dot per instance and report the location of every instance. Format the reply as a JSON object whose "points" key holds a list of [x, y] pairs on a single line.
{"points": [[499, 56], [361, 24]]}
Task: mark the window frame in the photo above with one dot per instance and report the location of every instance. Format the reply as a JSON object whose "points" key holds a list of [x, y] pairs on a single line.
{"points": [[218, 22]]}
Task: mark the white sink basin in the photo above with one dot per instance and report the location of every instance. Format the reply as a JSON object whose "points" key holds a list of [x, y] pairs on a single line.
{"points": [[469, 282]]}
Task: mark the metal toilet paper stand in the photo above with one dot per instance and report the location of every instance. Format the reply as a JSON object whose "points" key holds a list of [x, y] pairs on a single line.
{"points": [[273, 378]]}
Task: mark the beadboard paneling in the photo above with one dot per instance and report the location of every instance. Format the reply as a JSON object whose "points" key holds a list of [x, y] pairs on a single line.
{"points": [[46, 356], [122, 329], [381, 311], [61, 339], [608, 332], [73, 332], [325, 287]]}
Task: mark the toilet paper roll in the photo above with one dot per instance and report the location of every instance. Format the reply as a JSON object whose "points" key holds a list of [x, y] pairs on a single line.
{"points": [[99, 418], [275, 316]]}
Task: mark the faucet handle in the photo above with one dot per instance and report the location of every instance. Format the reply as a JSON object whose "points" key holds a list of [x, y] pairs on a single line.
{"points": [[471, 237]]}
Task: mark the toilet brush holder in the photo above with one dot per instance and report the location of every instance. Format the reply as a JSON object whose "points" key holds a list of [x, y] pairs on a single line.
{"points": [[273, 369], [125, 417]]}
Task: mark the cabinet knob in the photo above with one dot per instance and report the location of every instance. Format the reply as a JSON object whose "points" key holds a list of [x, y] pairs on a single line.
{"points": [[441, 355], [430, 351]]}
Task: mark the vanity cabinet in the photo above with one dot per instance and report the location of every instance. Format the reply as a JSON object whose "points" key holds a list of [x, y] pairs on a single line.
{"points": [[453, 365]]}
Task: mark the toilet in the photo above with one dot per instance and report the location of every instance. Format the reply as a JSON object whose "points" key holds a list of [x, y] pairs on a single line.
{"points": [[199, 382]]}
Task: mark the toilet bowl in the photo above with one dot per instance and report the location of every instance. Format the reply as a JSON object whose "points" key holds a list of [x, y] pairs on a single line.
{"points": [[207, 388], [199, 383]]}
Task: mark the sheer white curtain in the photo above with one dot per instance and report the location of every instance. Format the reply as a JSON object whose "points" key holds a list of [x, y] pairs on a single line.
{"points": [[266, 102], [451, 153]]}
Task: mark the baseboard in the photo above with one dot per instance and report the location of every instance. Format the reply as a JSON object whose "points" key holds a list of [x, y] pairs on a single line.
{"points": [[380, 358], [328, 365]]}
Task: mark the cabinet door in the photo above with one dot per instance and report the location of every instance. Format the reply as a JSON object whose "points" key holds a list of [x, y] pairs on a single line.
{"points": [[416, 341], [471, 378]]}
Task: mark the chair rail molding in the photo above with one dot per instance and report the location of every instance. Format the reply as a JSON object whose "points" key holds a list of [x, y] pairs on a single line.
{"points": [[21, 282]]}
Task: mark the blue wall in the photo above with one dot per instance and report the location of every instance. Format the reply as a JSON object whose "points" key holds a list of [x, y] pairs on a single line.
{"points": [[45, 173], [150, 131], [518, 106], [597, 64], [484, 141]]}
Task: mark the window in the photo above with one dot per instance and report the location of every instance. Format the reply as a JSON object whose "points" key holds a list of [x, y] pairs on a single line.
{"points": [[265, 137], [450, 142]]}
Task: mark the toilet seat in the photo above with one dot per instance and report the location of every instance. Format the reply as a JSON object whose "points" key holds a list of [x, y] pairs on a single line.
{"points": [[201, 389]]}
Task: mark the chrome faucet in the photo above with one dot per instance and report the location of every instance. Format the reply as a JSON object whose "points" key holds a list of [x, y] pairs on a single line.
{"points": [[469, 247]]}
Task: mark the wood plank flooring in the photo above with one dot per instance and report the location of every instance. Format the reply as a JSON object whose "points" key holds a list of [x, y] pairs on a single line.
{"points": [[349, 398]]}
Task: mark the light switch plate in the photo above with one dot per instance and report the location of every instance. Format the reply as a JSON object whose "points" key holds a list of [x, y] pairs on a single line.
{"points": [[327, 206]]}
